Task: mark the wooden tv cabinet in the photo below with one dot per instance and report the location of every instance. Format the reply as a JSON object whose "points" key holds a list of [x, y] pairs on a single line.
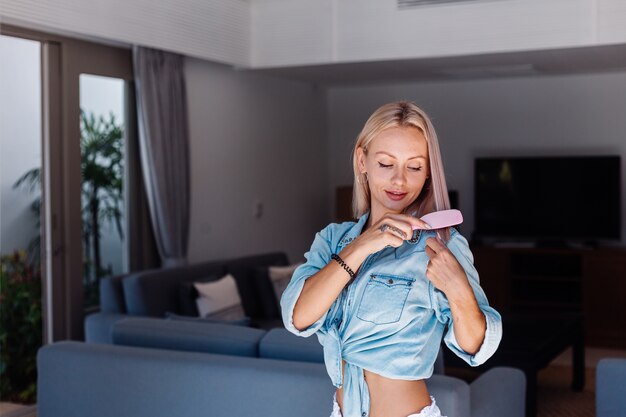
{"points": [[534, 280]]}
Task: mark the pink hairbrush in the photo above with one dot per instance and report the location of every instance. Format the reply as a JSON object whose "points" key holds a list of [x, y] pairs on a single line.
{"points": [[441, 219], [438, 220]]}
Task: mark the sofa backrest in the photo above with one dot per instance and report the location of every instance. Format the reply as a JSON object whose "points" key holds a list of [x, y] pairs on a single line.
{"points": [[154, 292], [82, 379], [112, 294], [157, 291], [257, 291]]}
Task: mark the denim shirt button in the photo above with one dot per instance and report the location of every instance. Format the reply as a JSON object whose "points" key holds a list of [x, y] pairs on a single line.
{"points": [[390, 281], [363, 413]]}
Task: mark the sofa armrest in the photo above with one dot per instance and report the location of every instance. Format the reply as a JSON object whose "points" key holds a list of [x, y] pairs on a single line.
{"points": [[98, 326], [501, 391], [451, 394], [610, 387], [226, 339], [281, 344]]}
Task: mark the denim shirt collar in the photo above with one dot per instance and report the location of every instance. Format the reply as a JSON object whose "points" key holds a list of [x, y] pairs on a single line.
{"points": [[353, 231]]}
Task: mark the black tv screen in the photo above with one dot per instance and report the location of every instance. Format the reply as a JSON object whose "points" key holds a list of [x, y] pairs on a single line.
{"points": [[575, 198]]}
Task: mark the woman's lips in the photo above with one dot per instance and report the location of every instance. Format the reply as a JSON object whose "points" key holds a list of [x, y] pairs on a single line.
{"points": [[395, 197]]}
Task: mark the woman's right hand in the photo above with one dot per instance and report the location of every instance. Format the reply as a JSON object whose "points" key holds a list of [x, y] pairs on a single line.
{"points": [[399, 228]]}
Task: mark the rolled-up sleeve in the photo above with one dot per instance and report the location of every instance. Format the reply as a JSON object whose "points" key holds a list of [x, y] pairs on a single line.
{"points": [[316, 258], [459, 247]]}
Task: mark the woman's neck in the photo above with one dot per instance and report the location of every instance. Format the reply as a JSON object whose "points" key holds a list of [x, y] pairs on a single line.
{"points": [[372, 218]]}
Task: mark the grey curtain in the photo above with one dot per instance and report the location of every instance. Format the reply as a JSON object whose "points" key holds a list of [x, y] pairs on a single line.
{"points": [[164, 148], [142, 248]]}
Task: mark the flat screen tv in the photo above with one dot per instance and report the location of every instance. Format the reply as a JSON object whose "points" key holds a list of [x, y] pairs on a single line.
{"points": [[564, 199]]}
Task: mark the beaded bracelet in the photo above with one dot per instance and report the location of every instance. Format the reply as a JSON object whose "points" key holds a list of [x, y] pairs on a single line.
{"points": [[343, 264]]}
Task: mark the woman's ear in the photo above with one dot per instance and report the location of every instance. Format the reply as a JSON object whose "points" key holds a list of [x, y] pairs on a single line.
{"points": [[360, 158]]}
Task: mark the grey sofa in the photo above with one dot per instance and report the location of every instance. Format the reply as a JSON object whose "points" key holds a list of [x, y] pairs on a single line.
{"points": [[158, 367], [611, 387], [155, 292]]}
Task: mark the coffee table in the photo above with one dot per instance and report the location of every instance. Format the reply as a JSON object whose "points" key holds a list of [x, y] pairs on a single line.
{"points": [[530, 341]]}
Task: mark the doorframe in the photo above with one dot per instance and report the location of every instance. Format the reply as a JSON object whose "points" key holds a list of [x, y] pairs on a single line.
{"points": [[63, 59]]}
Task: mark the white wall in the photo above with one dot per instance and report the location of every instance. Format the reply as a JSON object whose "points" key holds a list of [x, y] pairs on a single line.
{"points": [[218, 30], [300, 32], [254, 137], [558, 115], [273, 33], [20, 139]]}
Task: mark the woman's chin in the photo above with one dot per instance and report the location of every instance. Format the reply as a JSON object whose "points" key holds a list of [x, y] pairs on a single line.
{"points": [[395, 206]]}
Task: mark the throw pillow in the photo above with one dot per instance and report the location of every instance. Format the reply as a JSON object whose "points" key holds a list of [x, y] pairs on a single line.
{"points": [[187, 295], [281, 276], [217, 295]]}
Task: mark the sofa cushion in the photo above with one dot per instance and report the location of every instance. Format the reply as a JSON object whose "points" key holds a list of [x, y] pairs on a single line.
{"points": [[189, 336], [281, 344]]}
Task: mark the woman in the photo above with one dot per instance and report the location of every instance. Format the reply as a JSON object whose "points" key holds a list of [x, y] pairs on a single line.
{"points": [[378, 294]]}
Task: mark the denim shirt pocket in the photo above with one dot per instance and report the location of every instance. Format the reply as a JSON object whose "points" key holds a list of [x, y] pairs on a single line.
{"points": [[384, 298]]}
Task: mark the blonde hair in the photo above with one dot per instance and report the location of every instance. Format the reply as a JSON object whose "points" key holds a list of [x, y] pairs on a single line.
{"points": [[434, 195]]}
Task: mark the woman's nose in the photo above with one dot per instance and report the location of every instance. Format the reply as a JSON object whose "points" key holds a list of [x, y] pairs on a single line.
{"points": [[399, 177]]}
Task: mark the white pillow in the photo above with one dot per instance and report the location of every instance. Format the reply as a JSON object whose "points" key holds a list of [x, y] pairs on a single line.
{"points": [[281, 276], [234, 312], [217, 295]]}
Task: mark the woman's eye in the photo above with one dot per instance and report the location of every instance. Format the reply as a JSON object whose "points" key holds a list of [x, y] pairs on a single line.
{"points": [[416, 169], [383, 165]]}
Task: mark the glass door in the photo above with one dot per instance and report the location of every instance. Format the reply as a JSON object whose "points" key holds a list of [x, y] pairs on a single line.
{"points": [[102, 132], [96, 80]]}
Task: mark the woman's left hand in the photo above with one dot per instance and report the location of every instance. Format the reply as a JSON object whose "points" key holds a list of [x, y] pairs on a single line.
{"points": [[447, 275], [444, 270]]}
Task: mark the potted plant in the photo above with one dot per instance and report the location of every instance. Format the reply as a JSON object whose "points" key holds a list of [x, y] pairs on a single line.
{"points": [[20, 328]]}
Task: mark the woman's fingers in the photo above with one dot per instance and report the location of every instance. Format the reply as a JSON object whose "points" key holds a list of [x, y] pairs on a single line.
{"points": [[396, 227], [435, 244], [429, 252], [422, 225], [413, 221], [391, 228]]}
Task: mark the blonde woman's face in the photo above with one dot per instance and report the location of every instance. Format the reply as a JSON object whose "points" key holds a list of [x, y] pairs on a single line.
{"points": [[396, 162]]}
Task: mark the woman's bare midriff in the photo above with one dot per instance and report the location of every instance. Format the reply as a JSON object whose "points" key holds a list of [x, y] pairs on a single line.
{"points": [[391, 397]]}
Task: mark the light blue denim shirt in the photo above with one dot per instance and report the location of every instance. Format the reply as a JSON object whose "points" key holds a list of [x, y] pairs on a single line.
{"points": [[390, 319]]}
